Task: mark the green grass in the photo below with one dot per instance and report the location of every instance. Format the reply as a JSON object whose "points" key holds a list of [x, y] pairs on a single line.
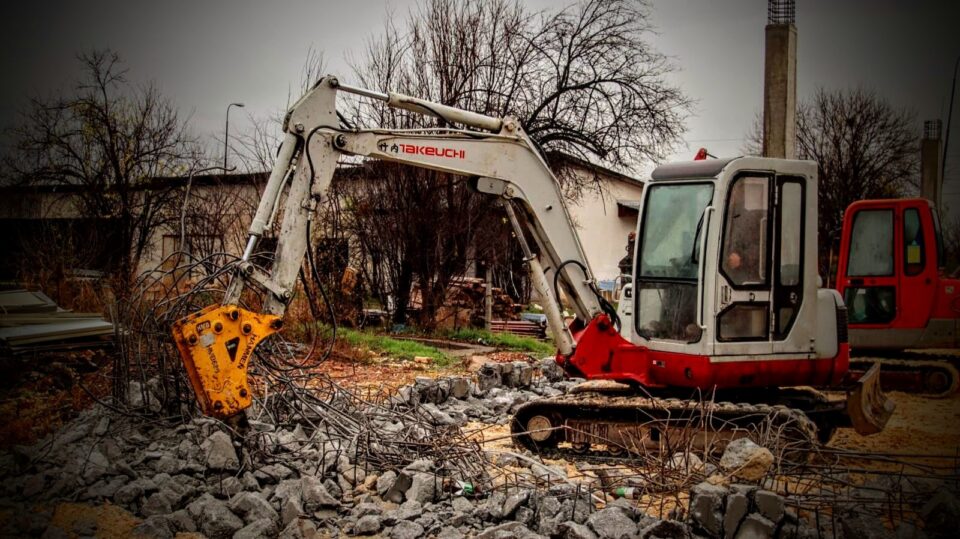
{"points": [[508, 341], [388, 346], [405, 349]]}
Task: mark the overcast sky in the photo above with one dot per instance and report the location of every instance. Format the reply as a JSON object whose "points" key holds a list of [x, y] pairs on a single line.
{"points": [[205, 54]]}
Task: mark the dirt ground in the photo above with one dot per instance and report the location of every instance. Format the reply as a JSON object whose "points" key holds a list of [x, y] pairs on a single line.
{"points": [[918, 426], [388, 374]]}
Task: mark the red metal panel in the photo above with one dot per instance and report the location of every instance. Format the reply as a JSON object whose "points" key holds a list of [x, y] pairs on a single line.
{"points": [[602, 354]]}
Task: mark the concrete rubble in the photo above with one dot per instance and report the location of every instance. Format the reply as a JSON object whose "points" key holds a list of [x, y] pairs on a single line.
{"points": [[294, 482]]}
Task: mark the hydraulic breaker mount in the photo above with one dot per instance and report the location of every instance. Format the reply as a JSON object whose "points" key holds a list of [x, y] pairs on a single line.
{"points": [[216, 345]]}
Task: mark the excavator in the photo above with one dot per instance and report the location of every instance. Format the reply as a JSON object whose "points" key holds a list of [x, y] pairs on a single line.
{"points": [[728, 317], [904, 308]]}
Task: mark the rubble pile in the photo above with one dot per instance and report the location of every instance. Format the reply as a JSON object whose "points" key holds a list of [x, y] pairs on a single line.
{"points": [[409, 472]]}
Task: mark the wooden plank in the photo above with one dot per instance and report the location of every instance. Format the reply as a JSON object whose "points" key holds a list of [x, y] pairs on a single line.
{"points": [[519, 327]]}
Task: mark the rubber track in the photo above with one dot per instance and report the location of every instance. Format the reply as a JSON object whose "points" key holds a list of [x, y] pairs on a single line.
{"points": [[602, 406], [939, 362]]}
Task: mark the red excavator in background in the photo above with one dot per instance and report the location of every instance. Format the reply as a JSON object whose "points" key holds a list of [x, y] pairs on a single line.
{"points": [[903, 306]]}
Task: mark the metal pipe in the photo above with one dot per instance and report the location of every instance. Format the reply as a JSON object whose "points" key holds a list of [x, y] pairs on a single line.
{"points": [[226, 133], [444, 112], [380, 96], [269, 198], [551, 307], [429, 108], [524, 246], [248, 251], [946, 137]]}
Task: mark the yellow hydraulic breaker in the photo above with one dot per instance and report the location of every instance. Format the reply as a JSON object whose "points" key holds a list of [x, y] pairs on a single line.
{"points": [[216, 345]]}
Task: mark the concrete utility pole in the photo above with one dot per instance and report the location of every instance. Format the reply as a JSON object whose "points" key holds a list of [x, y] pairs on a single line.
{"points": [[780, 81], [931, 149]]}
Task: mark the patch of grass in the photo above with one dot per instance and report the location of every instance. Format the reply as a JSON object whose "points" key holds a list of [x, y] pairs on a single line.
{"points": [[508, 341], [388, 346]]}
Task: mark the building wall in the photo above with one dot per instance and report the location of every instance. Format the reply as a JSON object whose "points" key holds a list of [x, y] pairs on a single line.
{"points": [[603, 233], [230, 206], [226, 211]]}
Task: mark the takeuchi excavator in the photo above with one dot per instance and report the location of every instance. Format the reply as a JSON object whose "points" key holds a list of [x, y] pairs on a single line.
{"points": [[728, 317], [904, 306]]}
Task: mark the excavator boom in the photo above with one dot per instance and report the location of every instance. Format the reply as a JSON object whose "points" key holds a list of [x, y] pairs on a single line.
{"points": [[501, 163]]}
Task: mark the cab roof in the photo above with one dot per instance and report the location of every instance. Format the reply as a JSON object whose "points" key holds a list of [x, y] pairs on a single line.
{"points": [[706, 168]]}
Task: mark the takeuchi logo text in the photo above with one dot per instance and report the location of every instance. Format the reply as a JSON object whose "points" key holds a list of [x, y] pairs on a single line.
{"points": [[434, 151]]}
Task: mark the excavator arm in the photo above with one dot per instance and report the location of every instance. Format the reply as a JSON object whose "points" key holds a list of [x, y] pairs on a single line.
{"points": [[217, 343]]}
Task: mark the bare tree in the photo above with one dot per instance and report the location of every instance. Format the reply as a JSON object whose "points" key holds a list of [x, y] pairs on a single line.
{"points": [[864, 148], [951, 246], [257, 148], [111, 140], [216, 212], [583, 81]]}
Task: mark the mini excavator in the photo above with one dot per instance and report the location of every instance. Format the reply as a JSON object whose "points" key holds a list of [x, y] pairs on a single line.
{"points": [[904, 304], [725, 303]]}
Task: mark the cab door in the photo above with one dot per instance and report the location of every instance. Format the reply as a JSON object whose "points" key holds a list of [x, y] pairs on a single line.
{"points": [[917, 265], [761, 283], [869, 280], [789, 241], [744, 302]]}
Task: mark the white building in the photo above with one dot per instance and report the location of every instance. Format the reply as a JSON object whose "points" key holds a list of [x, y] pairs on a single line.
{"points": [[604, 218]]}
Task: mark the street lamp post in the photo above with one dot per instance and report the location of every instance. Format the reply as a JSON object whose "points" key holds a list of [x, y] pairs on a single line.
{"points": [[226, 134]]}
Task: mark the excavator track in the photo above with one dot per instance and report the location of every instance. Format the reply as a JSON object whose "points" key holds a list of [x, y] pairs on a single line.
{"points": [[924, 372], [599, 427]]}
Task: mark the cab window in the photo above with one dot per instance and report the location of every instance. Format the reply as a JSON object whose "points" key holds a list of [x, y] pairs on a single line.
{"points": [[871, 304], [914, 257], [871, 244], [668, 280], [745, 232]]}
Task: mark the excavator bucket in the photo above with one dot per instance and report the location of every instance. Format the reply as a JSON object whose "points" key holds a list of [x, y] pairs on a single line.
{"points": [[868, 408], [216, 345]]}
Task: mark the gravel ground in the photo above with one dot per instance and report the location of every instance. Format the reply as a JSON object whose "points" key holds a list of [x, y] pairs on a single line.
{"points": [[112, 476]]}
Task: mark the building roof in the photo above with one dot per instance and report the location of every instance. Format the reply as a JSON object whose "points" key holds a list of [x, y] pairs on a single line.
{"points": [[600, 169], [159, 181]]}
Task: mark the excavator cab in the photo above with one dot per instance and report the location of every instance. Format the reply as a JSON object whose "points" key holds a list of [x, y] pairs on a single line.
{"points": [[725, 291], [725, 283], [725, 304], [890, 276]]}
